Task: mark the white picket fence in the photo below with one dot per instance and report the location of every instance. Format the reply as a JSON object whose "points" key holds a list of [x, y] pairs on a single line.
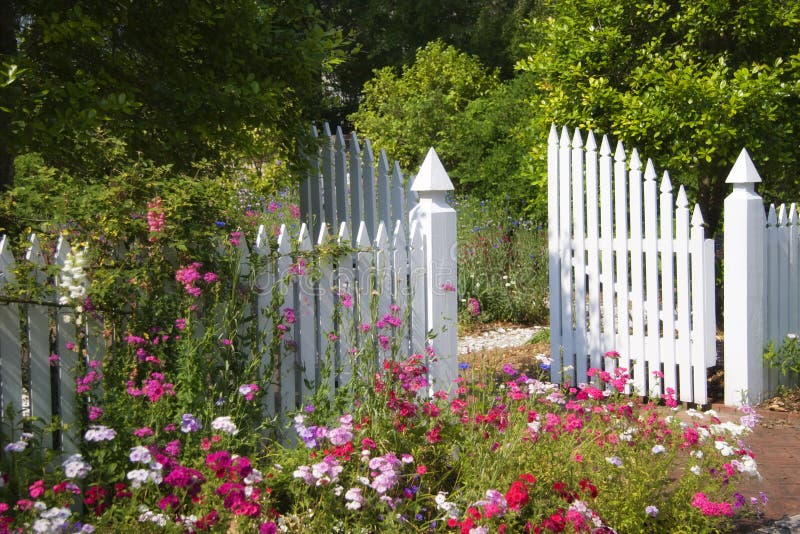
{"points": [[630, 272], [409, 263], [762, 285]]}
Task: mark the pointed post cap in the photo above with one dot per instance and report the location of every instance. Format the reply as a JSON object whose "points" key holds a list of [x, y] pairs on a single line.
{"points": [[431, 175], [743, 171]]}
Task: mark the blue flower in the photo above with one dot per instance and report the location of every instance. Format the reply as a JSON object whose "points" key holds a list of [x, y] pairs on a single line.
{"points": [[220, 224], [463, 366]]}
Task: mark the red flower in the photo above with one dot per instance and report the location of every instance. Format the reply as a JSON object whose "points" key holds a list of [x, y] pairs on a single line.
{"points": [[517, 495]]}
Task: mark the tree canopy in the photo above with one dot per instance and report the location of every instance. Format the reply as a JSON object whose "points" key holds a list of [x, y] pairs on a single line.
{"points": [[178, 82]]}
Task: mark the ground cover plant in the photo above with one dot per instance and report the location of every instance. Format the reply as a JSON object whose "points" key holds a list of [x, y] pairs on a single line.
{"points": [[384, 454], [502, 262]]}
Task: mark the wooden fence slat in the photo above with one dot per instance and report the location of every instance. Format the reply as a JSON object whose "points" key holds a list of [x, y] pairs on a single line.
{"points": [[356, 193], [327, 297], [368, 185], [340, 165], [593, 254], [41, 394], [383, 190], [265, 281], [287, 382], [417, 282], [782, 304], [565, 358], [607, 252], [400, 275], [399, 205], [579, 255], [383, 280], [328, 174], [684, 345], [653, 344], [306, 328], [10, 345], [699, 326], [68, 361], [637, 343], [348, 317], [621, 257], [668, 282], [794, 270], [553, 249]]}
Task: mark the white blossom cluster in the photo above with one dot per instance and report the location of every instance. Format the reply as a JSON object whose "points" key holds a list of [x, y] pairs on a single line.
{"points": [[50, 519], [73, 282]]}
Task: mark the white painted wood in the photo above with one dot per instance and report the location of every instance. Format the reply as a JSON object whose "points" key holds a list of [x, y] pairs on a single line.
{"points": [[698, 320], [400, 289], [553, 250], [667, 283], [356, 191], [38, 333], [744, 285], [653, 340], [306, 327], [782, 304], [565, 360], [399, 206], [773, 288], [383, 285], [10, 346], [368, 185], [328, 172], [637, 340], [348, 316], [607, 252], [416, 260], [438, 221], [595, 348], [287, 383], [794, 271], [579, 255], [265, 282], [315, 218], [340, 168], [683, 345], [68, 361], [383, 190], [622, 303], [326, 329]]}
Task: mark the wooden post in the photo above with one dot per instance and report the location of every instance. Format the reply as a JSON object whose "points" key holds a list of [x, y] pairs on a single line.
{"points": [[438, 223], [744, 286]]}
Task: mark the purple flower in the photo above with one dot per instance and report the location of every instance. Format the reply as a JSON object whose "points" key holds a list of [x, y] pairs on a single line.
{"points": [[99, 433], [652, 511], [189, 423]]}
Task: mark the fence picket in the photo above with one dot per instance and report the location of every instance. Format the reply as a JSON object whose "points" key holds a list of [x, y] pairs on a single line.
{"points": [[356, 193], [607, 252], [365, 268], [553, 249], [38, 326], [653, 342], [10, 345], [579, 255], [400, 290], [287, 383], [621, 248], [327, 296], [699, 303], [417, 283], [348, 318], [593, 254], [68, 361], [383, 190], [794, 270], [684, 346], [667, 282], [340, 171], [306, 327], [265, 280], [383, 279], [637, 343], [368, 184], [329, 198], [565, 358]]}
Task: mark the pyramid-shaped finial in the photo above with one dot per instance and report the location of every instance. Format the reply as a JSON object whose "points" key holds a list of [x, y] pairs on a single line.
{"points": [[743, 171], [431, 175]]}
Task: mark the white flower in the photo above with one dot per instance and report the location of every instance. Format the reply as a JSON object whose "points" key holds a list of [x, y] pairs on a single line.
{"points": [[695, 469], [696, 454], [140, 454], [657, 449], [75, 467], [224, 424], [723, 448]]}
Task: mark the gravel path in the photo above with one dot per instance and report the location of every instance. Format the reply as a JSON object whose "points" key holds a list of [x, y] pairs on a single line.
{"points": [[497, 338]]}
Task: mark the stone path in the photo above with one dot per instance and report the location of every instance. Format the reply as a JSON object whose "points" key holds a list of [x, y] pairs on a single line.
{"points": [[498, 338]]}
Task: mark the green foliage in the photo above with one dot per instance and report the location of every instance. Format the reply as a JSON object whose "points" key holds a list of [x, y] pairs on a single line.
{"points": [[407, 114], [502, 264], [687, 83], [178, 82], [785, 358]]}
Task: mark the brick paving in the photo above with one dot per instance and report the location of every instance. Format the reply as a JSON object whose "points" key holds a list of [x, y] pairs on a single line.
{"points": [[776, 444]]}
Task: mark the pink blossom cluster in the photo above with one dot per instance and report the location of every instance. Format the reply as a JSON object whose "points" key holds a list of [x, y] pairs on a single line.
{"points": [[84, 383], [711, 508], [153, 388], [156, 218], [190, 275]]}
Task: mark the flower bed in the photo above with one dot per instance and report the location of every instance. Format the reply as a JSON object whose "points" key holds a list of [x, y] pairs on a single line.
{"points": [[518, 455]]}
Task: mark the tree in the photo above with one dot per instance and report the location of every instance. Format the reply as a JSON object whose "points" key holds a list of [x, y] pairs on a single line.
{"points": [[408, 113], [387, 33], [687, 82], [178, 82]]}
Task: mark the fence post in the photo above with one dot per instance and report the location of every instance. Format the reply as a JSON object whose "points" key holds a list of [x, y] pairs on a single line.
{"points": [[438, 223], [744, 285]]}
